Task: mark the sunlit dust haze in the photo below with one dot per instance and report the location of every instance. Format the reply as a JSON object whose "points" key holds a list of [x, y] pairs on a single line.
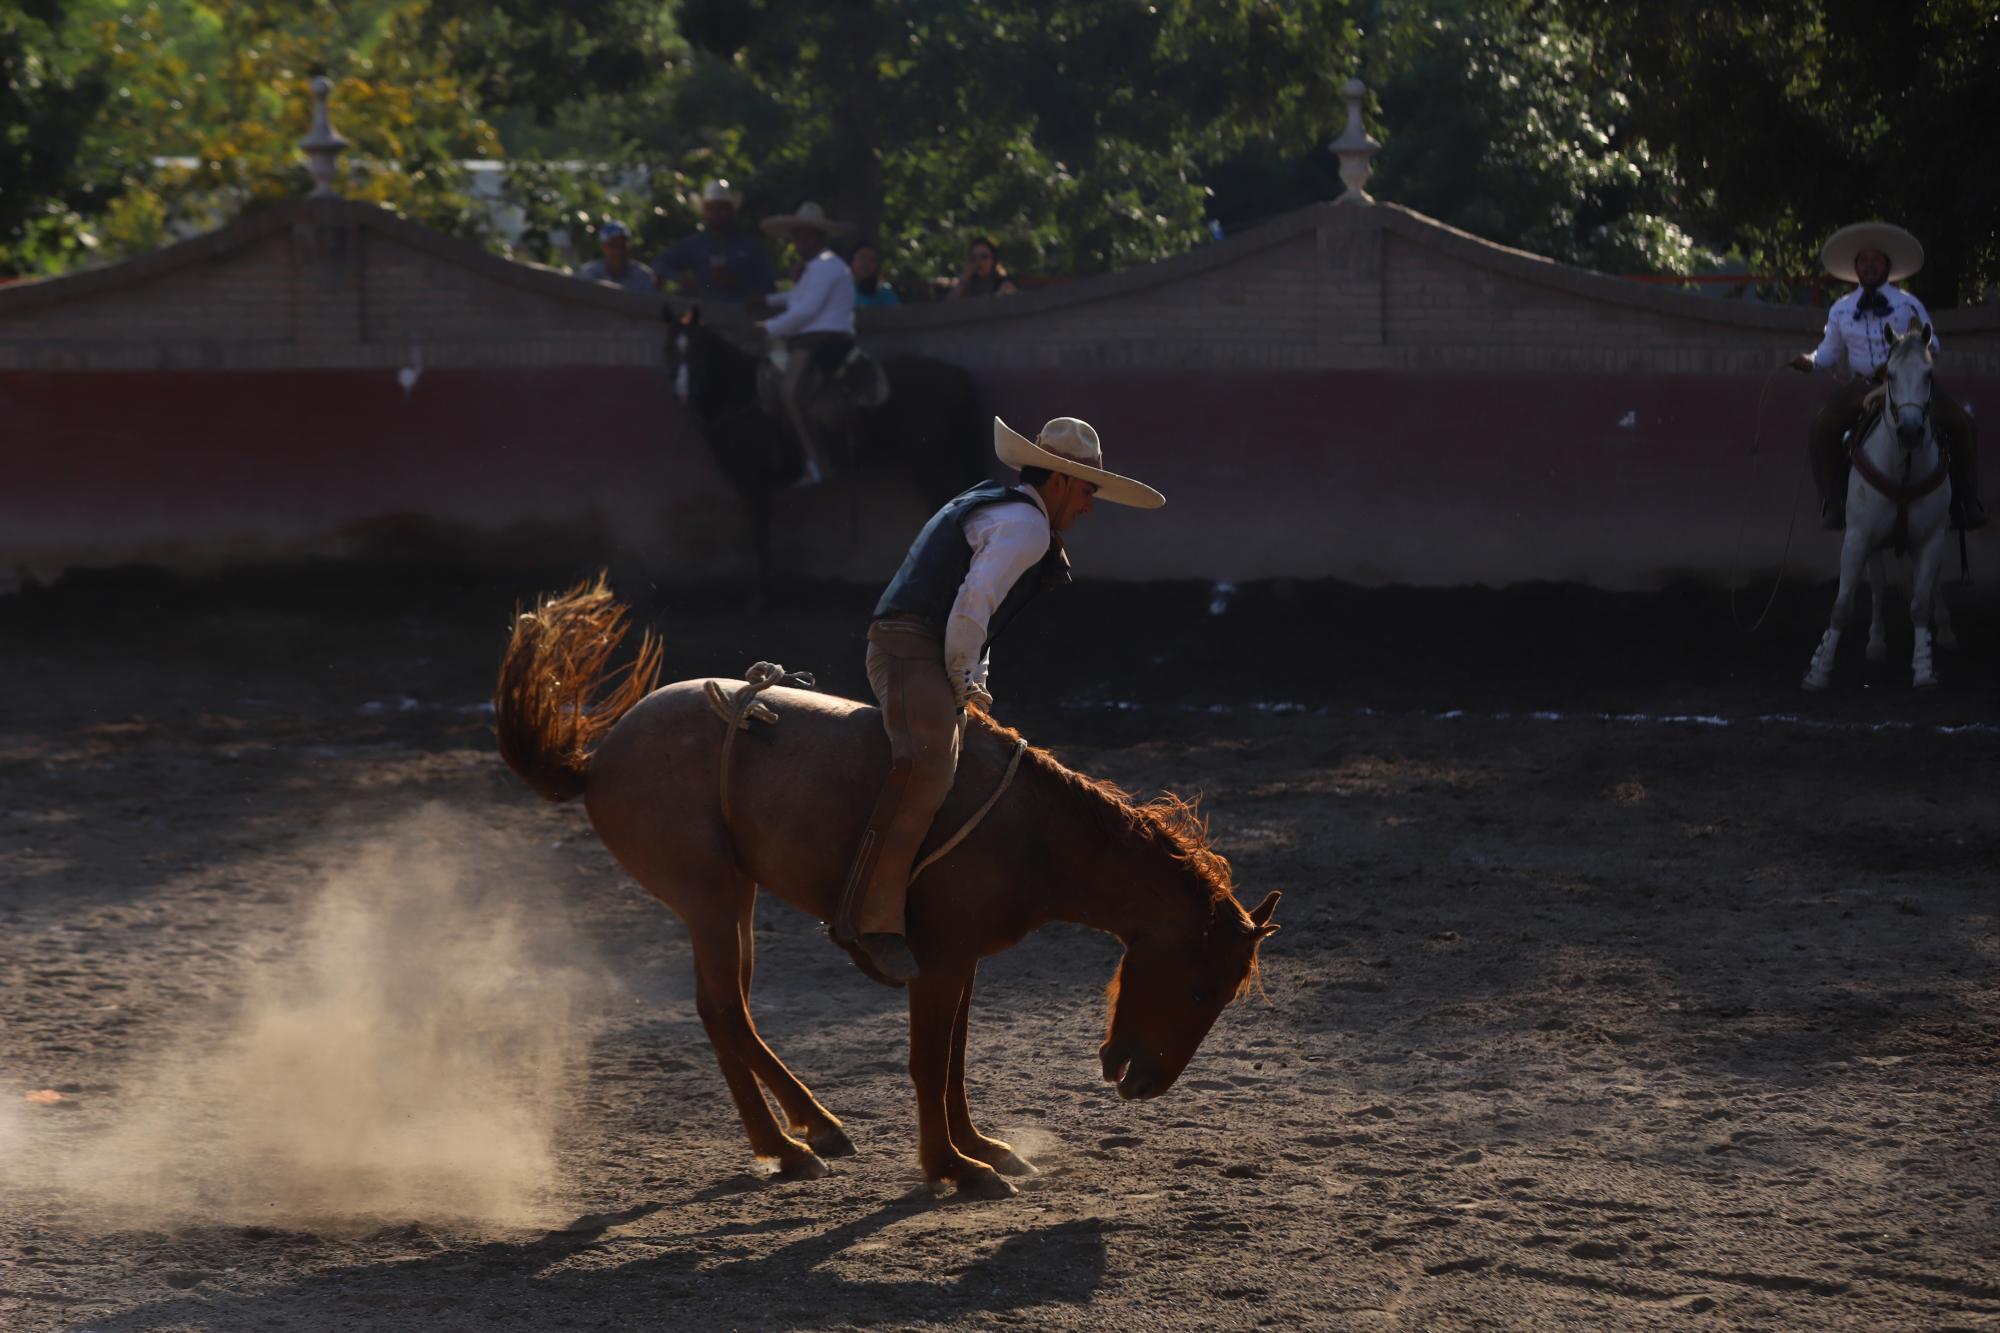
{"points": [[409, 1054]]}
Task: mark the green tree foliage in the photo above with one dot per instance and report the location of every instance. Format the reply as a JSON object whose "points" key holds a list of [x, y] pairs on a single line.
{"points": [[222, 92], [1071, 131], [45, 111], [1508, 122], [543, 57], [1793, 118]]}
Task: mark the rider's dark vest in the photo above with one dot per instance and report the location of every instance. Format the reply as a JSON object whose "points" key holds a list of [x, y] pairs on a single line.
{"points": [[927, 584]]}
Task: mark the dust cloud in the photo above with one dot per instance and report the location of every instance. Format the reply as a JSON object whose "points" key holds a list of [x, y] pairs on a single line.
{"points": [[408, 1054]]}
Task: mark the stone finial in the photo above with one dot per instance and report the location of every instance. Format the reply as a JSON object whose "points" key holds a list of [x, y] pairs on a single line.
{"points": [[322, 144], [1354, 147]]}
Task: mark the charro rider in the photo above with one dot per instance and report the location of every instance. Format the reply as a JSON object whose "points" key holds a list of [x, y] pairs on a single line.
{"points": [[972, 568], [818, 311], [1877, 255]]}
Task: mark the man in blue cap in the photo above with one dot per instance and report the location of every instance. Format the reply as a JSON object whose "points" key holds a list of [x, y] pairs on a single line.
{"points": [[617, 266]]}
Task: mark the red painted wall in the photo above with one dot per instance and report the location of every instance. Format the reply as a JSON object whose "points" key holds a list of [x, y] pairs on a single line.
{"points": [[1620, 480]]}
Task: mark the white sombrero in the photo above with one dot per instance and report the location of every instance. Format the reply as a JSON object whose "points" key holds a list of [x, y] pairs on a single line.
{"points": [[811, 215], [717, 192], [1070, 447], [1906, 253]]}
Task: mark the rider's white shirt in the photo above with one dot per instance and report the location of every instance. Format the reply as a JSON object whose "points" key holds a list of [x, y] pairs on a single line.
{"points": [[1007, 540], [1857, 341], [822, 302]]}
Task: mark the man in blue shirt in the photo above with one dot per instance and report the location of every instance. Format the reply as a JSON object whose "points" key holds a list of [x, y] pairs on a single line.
{"points": [[719, 263], [616, 266]]}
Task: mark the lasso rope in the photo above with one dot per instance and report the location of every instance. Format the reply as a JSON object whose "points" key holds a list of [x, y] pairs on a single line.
{"points": [[1742, 518], [1013, 762], [740, 707]]}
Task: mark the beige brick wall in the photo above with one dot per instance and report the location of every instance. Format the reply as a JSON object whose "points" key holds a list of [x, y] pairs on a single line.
{"points": [[1334, 287]]}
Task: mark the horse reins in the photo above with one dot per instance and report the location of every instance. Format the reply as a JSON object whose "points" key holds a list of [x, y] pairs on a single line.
{"points": [[740, 707]]}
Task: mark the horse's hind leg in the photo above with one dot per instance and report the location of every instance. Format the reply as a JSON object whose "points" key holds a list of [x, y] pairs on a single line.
{"points": [[807, 1118], [958, 1115], [720, 970]]}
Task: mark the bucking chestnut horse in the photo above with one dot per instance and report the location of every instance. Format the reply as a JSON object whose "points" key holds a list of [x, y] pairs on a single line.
{"points": [[1058, 846]]}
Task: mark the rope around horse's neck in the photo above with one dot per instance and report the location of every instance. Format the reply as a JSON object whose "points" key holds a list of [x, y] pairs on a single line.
{"points": [[740, 707], [1743, 515], [1013, 763]]}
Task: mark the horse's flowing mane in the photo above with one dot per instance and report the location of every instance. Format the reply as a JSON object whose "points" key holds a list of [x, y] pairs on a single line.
{"points": [[1169, 821]]}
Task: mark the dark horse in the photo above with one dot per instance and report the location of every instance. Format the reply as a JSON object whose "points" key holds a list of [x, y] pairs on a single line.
{"points": [[931, 429]]}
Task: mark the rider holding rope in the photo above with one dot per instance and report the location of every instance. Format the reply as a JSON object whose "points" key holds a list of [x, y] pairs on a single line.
{"points": [[972, 568], [1857, 342]]}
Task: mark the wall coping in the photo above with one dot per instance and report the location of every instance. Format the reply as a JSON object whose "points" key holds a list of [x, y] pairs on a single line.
{"points": [[1314, 220], [32, 293], [1408, 224]]}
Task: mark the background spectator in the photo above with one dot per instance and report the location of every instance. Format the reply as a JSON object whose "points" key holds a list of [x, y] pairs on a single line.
{"points": [[869, 289], [983, 274], [720, 262], [616, 265]]}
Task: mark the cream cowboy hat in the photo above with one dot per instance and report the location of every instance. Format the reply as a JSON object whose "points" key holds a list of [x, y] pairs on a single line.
{"points": [[717, 192], [811, 215], [1070, 447], [1906, 253]]}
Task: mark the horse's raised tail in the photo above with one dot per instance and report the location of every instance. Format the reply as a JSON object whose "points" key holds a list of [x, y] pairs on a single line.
{"points": [[555, 700]]}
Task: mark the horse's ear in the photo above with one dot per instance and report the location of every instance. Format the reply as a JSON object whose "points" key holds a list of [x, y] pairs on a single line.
{"points": [[1260, 916]]}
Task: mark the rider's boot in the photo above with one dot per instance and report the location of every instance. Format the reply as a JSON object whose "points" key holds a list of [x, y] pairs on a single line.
{"points": [[1833, 513]]}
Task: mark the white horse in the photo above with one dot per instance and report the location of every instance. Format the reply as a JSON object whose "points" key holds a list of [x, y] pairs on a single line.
{"points": [[1898, 494]]}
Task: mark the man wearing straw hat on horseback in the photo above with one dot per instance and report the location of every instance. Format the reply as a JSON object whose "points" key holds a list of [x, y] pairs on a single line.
{"points": [[974, 565], [815, 318], [1857, 341]]}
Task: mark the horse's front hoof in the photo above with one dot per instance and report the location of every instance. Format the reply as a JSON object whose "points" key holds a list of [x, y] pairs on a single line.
{"points": [[1813, 681], [1011, 1163], [975, 1180], [985, 1185], [831, 1142], [808, 1167], [1925, 682]]}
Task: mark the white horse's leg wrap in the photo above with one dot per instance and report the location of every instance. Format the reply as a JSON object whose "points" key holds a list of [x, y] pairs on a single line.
{"points": [[1922, 673], [1822, 660]]}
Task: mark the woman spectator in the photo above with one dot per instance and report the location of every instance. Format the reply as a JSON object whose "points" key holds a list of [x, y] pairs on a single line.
{"points": [[984, 274], [869, 289]]}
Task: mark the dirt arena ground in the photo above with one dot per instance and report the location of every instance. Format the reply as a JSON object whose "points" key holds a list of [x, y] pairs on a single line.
{"points": [[1620, 983]]}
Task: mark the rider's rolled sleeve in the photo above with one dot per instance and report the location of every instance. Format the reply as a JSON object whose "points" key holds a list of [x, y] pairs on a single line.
{"points": [[1007, 541]]}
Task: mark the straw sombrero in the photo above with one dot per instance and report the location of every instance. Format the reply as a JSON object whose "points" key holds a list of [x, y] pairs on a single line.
{"points": [[1906, 253], [811, 215], [1070, 447], [717, 192]]}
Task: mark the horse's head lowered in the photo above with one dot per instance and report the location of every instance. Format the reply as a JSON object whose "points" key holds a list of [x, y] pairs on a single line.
{"points": [[1907, 375], [1172, 984]]}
